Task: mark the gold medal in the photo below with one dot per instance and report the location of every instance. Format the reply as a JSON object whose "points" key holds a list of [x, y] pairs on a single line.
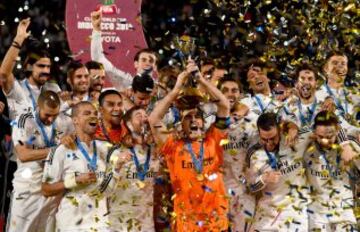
{"points": [[200, 177], [357, 212], [325, 173], [348, 117], [140, 184]]}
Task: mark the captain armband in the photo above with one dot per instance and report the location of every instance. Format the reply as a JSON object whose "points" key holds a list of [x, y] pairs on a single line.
{"points": [[222, 122]]}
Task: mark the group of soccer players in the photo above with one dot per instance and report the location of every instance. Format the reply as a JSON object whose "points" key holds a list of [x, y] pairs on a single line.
{"points": [[248, 157]]}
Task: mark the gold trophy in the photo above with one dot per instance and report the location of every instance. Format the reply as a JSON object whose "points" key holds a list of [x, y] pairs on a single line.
{"points": [[190, 96]]}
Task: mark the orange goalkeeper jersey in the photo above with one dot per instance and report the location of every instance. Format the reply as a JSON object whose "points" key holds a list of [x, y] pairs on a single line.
{"points": [[200, 202]]}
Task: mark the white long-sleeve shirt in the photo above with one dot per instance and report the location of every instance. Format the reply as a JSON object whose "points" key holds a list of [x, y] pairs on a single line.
{"points": [[120, 80], [344, 99], [28, 175], [289, 196], [23, 96]]}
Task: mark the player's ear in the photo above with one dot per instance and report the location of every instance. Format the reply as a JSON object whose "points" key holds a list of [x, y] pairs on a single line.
{"points": [[75, 120]]}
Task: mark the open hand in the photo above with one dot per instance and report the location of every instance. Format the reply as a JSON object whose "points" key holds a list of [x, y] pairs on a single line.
{"points": [[22, 32]]}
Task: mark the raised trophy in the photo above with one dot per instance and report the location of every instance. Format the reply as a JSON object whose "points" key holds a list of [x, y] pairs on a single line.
{"points": [[190, 96]]}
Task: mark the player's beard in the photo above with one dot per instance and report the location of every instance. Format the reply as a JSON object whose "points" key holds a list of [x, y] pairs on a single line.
{"points": [[41, 78]]}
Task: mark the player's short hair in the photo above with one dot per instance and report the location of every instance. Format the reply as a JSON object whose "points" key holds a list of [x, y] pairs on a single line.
{"points": [[146, 50], [75, 110], [72, 67], [334, 53], [305, 66], [267, 121], [326, 118], [143, 83], [32, 57], [49, 98], [90, 65], [227, 78], [107, 93], [129, 113]]}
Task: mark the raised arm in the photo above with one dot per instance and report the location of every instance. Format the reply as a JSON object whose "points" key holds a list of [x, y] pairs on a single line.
{"points": [[162, 107], [120, 79], [8, 63], [223, 105]]}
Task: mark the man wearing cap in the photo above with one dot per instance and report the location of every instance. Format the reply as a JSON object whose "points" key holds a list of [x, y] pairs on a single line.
{"points": [[194, 160]]}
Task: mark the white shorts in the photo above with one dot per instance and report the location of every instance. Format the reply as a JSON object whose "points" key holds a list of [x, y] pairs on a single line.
{"points": [[24, 212]]}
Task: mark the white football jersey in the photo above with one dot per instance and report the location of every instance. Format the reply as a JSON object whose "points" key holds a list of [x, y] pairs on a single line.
{"points": [[329, 177], [23, 96], [343, 98], [301, 114], [289, 196], [83, 207], [27, 131], [241, 135], [260, 103], [132, 204]]}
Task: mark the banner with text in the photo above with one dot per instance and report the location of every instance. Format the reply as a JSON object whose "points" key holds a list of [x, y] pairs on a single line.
{"points": [[121, 27]]}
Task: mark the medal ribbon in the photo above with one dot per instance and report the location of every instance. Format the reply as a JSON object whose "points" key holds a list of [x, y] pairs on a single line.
{"points": [[272, 159], [309, 119], [260, 103], [48, 142], [338, 101], [91, 162], [198, 162], [141, 169], [26, 82]]}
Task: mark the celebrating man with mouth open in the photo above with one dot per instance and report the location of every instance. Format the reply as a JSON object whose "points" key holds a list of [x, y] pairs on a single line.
{"points": [[334, 93], [302, 109], [81, 175], [110, 127], [194, 160], [261, 100]]}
